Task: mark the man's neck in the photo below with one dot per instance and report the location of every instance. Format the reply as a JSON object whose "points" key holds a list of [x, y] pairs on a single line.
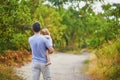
{"points": [[36, 32]]}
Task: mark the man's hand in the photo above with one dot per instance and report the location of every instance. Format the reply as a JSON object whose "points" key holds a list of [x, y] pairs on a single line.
{"points": [[50, 50]]}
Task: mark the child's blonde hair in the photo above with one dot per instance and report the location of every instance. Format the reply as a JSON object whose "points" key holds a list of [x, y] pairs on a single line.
{"points": [[45, 31]]}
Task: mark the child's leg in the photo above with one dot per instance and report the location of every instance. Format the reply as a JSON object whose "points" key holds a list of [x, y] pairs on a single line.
{"points": [[48, 58]]}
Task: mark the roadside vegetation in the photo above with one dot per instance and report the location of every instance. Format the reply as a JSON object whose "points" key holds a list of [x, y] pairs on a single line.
{"points": [[7, 73], [106, 64], [10, 60]]}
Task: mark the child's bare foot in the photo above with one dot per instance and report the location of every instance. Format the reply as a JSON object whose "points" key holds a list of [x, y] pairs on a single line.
{"points": [[48, 63]]}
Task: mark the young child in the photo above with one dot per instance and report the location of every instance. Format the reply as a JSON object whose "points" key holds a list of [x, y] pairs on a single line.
{"points": [[46, 34]]}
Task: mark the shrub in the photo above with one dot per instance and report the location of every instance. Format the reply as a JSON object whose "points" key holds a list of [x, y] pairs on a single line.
{"points": [[108, 61], [7, 73], [20, 41]]}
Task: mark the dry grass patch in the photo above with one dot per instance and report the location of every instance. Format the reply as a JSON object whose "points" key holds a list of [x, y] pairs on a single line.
{"points": [[7, 73]]}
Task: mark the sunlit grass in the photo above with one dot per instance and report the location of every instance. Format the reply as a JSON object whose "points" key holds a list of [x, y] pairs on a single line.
{"points": [[107, 62], [12, 59], [7, 73]]}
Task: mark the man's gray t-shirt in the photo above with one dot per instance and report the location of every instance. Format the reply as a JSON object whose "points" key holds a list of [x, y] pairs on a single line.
{"points": [[39, 44]]}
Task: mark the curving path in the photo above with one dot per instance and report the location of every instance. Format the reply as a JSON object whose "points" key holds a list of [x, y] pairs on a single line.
{"points": [[63, 67]]}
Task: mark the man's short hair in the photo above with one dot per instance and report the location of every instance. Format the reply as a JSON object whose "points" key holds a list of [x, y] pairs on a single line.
{"points": [[36, 27]]}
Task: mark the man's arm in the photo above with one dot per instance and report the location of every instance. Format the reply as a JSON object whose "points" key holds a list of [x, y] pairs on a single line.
{"points": [[49, 46], [50, 50]]}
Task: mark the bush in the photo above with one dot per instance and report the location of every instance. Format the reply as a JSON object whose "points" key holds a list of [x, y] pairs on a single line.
{"points": [[20, 41], [7, 73], [15, 58], [108, 61]]}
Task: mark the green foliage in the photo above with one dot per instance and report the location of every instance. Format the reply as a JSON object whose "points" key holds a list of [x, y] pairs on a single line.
{"points": [[59, 3], [69, 28], [14, 18], [20, 41], [94, 43]]}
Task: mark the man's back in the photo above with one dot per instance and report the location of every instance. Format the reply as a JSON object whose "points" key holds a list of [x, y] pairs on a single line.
{"points": [[39, 46]]}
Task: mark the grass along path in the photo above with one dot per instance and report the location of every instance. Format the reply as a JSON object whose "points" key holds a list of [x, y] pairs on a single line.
{"points": [[64, 67]]}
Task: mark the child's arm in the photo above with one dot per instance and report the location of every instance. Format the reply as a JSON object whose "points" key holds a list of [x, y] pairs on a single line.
{"points": [[48, 57]]}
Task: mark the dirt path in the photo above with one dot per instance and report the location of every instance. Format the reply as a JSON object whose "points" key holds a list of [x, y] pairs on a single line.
{"points": [[64, 67]]}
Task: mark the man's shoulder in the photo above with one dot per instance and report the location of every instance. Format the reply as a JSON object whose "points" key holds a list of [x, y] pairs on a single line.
{"points": [[42, 37], [30, 38]]}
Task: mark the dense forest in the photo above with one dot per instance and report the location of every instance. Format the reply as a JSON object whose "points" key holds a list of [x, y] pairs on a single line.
{"points": [[70, 29]]}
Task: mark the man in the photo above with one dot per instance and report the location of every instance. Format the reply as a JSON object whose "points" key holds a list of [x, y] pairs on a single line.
{"points": [[39, 45]]}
